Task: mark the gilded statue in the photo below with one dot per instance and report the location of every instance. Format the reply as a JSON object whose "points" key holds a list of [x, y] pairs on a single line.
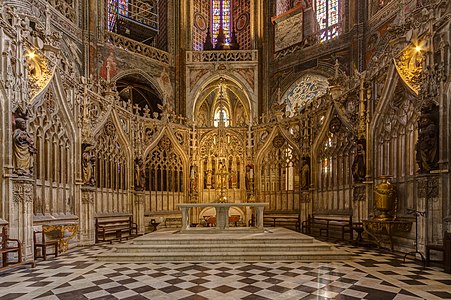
{"points": [[23, 149]]}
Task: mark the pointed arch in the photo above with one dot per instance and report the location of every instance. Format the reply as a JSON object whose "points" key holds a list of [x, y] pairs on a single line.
{"points": [[205, 85], [112, 166], [165, 166], [277, 176], [332, 159], [153, 82]]}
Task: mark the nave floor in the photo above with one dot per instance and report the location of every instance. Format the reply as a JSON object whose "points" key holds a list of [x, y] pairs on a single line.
{"points": [[372, 275]]}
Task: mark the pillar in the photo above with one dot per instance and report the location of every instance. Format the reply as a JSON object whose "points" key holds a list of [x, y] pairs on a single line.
{"points": [[21, 214], [87, 220], [138, 211]]}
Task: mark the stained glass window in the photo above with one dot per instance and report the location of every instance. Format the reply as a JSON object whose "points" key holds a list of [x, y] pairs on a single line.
{"points": [[327, 12], [216, 12], [221, 114], [303, 91], [115, 8]]}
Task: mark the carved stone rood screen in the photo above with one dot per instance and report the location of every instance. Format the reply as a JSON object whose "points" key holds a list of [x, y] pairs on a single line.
{"points": [[222, 217]]}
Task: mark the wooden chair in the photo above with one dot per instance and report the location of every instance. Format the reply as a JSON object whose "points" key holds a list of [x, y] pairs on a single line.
{"points": [[7, 246], [43, 244]]}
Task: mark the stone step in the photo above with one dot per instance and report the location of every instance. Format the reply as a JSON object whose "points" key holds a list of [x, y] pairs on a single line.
{"points": [[220, 241], [139, 257], [171, 237], [228, 247], [276, 244]]}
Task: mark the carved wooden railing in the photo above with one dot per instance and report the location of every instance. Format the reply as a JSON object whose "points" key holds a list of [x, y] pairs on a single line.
{"points": [[222, 56], [138, 48]]}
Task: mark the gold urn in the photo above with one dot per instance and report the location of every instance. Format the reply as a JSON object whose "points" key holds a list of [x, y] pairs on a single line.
{"points": [[385, 199]]}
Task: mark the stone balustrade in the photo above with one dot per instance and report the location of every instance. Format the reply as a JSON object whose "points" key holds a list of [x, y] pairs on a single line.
{"points": [[221, 56]]}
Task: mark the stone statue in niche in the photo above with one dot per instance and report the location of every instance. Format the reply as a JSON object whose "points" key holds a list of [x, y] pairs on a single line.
{"points": [[208, 179], [23, 149], [358, 165], [193, 179], [140, 174], [87, 163], [249, 179], [427, 144], [305, 173]]}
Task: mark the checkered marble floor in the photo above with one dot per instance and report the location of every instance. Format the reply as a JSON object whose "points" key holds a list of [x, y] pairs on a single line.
{"points": [[372, 275]]}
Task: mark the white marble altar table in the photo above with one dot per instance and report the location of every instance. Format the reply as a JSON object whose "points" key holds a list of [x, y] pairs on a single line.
{"points": [[222, 214]]}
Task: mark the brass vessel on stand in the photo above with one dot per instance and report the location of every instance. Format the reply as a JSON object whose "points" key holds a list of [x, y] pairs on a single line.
{"points": [[385, 200]]}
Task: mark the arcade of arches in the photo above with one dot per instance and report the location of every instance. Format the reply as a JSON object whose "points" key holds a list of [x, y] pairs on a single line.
{"points": [[132, 107]]}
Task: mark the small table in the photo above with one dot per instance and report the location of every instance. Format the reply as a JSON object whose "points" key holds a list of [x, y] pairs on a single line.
{"points": [[60, 229], [383, 230], [154, 224], [358, 227]]}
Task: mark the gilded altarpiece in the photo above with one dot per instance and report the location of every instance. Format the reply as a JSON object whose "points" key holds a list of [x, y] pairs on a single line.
{"points": [[231, 152]]}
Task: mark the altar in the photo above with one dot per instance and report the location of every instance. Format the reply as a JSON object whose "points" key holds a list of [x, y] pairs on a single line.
{"points": [[383, 230], [222, 216]]}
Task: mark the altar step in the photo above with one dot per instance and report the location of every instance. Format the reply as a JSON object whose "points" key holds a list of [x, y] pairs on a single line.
{"points": [[276, 244]]}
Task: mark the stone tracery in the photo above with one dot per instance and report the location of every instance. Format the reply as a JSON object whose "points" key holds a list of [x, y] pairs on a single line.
{"points": [[298, 160]]}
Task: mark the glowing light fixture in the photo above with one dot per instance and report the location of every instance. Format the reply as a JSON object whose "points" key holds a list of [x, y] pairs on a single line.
{"points": [[31, 54], [418, 48]]}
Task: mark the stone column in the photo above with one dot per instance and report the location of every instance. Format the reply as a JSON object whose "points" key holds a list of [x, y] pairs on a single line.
{"points": [[222, 217], [21, 214], [430, 226], [138, 211], [185, 218], [259, 217], [87, 221]]}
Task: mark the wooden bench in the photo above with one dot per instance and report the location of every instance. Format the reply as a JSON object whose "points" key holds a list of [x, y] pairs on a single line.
{"points": [[327, 223], [115, 228], [289, 220], [9, 247]]}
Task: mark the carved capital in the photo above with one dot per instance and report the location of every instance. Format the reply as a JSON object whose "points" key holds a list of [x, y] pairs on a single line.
{"points": [[23, 191], [87, 194], [139, 198], [87, 197], [428, 187]]}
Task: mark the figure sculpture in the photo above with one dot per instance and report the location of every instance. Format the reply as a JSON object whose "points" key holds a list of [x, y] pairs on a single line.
{"points": [[305, 173], [249, 177], [427, 144], [23, 149], [193, 179], [88, 163], [140, 174], [358, 165]]}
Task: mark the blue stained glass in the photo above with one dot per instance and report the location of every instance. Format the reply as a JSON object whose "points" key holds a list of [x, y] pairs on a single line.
{"points": [[216, 19], [115, 8], [327, 17]]}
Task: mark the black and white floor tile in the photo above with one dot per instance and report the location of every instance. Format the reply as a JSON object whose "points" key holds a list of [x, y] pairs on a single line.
{"points": [[372, 275]]}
